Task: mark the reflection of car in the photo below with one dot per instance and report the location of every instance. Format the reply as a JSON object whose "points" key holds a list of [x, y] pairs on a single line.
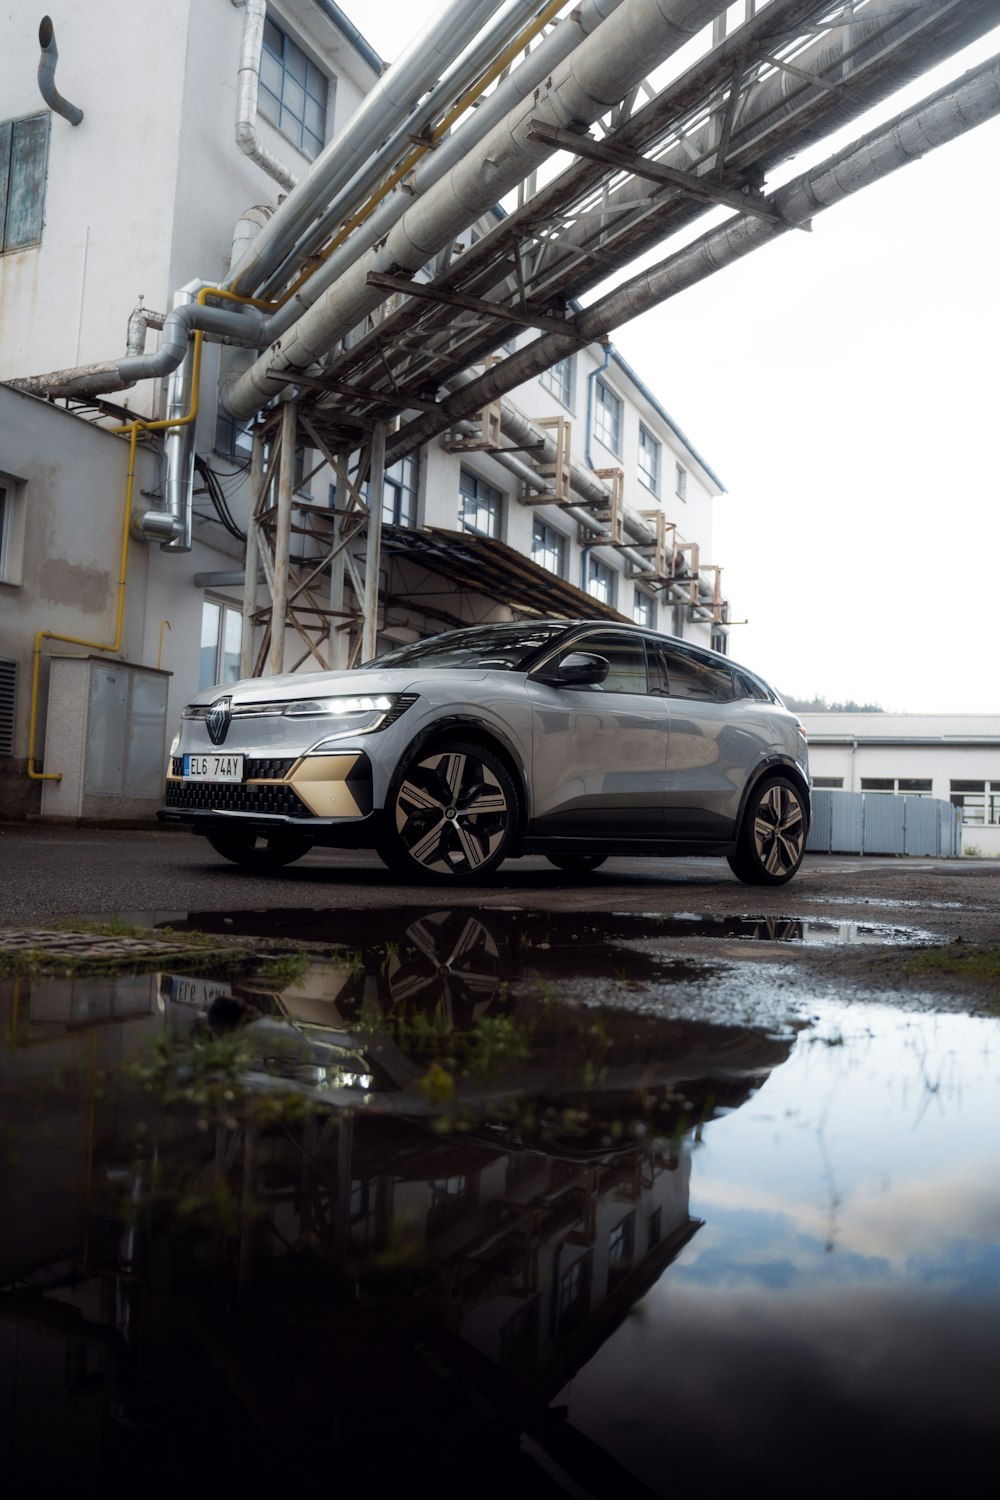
{"points": [[575, 741]]}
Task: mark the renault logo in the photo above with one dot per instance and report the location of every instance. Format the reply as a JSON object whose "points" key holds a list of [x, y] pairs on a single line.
{"points": [[218, 719]]}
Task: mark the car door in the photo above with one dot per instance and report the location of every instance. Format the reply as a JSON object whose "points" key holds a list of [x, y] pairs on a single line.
{"points": [[599, 753], [716, 739]]}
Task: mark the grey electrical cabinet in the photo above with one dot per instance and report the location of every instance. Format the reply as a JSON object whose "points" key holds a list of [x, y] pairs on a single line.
{"points": [[106, 731]]}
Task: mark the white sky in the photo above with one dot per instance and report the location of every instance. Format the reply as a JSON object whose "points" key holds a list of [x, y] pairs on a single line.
{"points": [[843, 385]]}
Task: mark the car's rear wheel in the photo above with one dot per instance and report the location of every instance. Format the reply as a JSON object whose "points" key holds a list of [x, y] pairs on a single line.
{"points": [[259, 851], [453, 815], [772, 838], [576, 864]]}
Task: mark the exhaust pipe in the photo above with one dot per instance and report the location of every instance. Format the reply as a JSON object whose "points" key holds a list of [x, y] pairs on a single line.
{"points": [[47, 74]]}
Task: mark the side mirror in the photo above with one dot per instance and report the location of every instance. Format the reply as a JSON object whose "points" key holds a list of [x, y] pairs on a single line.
{"points": [[577, 669]]}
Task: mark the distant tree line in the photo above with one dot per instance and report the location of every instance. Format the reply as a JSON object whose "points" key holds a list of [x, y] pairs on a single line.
{"points": [[821, 706]]}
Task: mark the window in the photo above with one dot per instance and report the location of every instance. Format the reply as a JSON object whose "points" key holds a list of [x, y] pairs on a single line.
{"points": [[548, 548], [828, 783], [24, 152], [649, 459], [559, 380], [450, 1198], [979, 801], [11, 528], [720, 642], [232, 437], [902, 786], [574, 1294], [519, 1340], [479, 505], [221, 633], [399, 492], [644, 609], [600, 581], [621, 1247], [607, 417], [680, 482], [293, 91], [626, 659], [688, 674]]}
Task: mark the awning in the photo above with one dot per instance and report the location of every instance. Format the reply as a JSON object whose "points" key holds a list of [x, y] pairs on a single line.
{"points": [[487, 566]]}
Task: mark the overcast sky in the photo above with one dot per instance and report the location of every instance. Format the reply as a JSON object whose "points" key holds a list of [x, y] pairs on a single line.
{"points": [[843, 385]]}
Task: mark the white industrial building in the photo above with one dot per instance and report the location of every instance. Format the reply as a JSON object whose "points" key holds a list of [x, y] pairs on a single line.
{"points": [[951, 757], [576, 495]]}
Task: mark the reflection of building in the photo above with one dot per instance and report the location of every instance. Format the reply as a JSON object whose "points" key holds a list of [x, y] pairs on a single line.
{"points": [[950, 757], [198, 1258]]}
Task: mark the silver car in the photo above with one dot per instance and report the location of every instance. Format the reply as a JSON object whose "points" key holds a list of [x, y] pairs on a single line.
{"points": [[576, 741]]}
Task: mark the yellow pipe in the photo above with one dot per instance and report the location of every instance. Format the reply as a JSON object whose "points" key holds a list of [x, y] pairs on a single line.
{"points": [[159, 649]]}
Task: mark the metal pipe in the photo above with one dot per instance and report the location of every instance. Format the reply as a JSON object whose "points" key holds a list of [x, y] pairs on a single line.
{"points": [[601, 69], [391, 100], [422, 166], [245, 326], [247, 84], [47, 74], [286, 491], [942, 117], [373, 542], [591, 378]]}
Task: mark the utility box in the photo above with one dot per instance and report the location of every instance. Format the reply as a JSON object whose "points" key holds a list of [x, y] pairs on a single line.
{"points": [[106, 733]]}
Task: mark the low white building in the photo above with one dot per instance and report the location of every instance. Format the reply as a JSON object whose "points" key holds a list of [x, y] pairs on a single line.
{"points": [[952, 757]]}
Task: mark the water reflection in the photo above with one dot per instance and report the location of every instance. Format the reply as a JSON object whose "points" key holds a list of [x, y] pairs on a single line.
{"points": [[391, 1220]]}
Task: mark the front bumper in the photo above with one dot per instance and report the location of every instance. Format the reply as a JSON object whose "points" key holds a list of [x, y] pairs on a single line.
{"points": [[297, 790]]}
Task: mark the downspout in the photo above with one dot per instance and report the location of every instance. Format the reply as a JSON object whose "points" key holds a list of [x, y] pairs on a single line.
{"points": [[47, 74], [247, 84]]}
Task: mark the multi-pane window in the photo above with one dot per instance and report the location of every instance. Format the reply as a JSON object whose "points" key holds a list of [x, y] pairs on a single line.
{"points": [[24, 151], [558, 379], [621, 1247], [600, 581], [828, 783], [399, 492], [4, 528], [644, 609], [607, 416], [900, 786], [293, 92], [680, 482], [649, 459], [519, 1340], [221, 630], [979, 801], [720, 642], [548, 548], [480, 506], [11, 528], [574, 1294]]}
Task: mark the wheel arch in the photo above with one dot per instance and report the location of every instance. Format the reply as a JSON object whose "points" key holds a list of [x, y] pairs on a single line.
{"points": [[766, 771], [473, 732]]}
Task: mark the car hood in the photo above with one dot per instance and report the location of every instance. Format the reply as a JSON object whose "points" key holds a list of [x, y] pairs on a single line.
{"points": [[298, 685]]}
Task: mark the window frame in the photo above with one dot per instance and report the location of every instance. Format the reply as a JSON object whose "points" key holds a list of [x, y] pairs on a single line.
{"points": [[224, 675], [308, 138], [680, 481], [666, 685], [400, 486], [609, 409], [543, 536], [649, 445], [559, 380], [602, 581], [650, 603], [30, 134], [12, 512], [485, 498]]}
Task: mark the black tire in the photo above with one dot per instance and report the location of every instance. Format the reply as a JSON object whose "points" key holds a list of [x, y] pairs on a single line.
{"points": [[452, 816], [576, 864], [261, 852], [772, 837]]}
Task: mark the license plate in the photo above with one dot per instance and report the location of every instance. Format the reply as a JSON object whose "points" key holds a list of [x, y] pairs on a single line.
{"points": [[213, 768]]}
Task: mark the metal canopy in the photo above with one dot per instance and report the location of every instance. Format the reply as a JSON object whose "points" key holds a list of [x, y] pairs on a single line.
{"points": [[489, 567]]}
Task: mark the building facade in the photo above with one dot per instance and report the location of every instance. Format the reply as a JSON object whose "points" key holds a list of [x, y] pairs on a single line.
{"points": [[952, 757], [577, 494]]}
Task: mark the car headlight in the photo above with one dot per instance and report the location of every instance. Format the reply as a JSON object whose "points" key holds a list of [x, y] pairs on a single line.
{"points": [[352, 714], [340, 708]]}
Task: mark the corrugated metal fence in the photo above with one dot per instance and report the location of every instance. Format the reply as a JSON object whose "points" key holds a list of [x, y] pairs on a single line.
{"points": [[878, 823]]}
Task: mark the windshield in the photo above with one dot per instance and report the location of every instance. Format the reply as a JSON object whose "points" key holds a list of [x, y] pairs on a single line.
{"points": [[504, 648]]}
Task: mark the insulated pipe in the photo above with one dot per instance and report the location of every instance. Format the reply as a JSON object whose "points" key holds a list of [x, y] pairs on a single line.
{"points": [[245, 326], [247, 84], [529, 74], [598, 73], [942, 117], [390, 101], [47, 74]]}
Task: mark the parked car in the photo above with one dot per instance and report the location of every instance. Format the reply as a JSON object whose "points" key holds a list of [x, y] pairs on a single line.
{"points": [[448, 756]]}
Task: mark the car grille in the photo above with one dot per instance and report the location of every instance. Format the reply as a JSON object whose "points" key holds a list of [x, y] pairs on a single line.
{"points": [[234, 796], [253, 770]]}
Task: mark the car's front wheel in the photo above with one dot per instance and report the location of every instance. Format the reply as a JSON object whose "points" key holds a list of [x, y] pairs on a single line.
{"points": [[772, 838], [453, 815], [259, 852]]}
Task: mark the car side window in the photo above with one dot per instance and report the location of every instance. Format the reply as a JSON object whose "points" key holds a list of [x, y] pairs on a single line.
{"points": [[626, 660], [690, 675]]}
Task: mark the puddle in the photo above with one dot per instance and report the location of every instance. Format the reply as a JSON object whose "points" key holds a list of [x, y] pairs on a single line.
{"points": [[403, 1214]]}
